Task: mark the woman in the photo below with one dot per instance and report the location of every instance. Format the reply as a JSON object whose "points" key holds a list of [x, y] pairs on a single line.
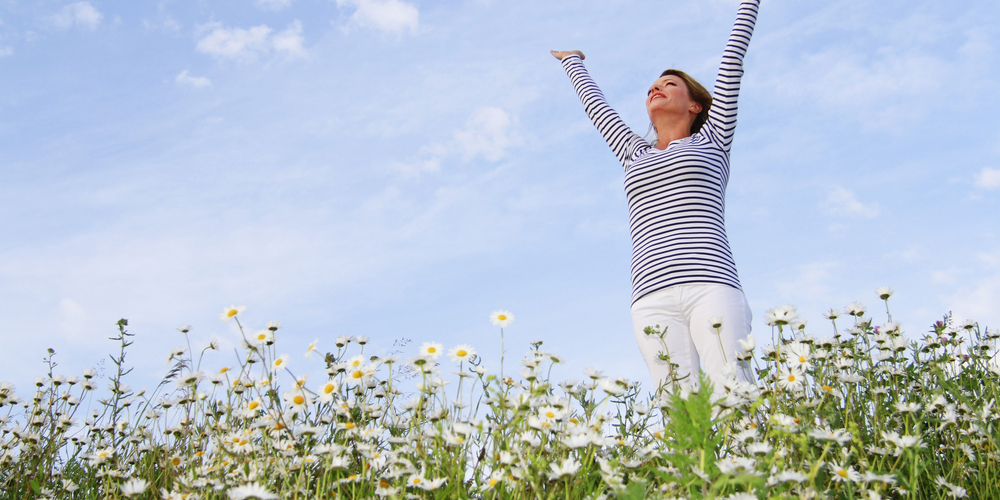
{"points": [[683, 274]]}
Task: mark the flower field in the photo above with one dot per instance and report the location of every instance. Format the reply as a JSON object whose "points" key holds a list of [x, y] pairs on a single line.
{"points": [[852, 409]]}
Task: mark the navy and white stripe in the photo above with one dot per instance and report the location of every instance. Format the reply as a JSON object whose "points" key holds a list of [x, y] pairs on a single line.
{"points": [[676, 197]]}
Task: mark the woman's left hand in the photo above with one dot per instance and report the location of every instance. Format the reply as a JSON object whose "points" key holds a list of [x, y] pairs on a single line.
{"points": [[560, 54]]}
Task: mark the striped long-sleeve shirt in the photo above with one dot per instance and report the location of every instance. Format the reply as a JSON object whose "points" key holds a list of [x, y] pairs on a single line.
{"points": [[676, 197]]}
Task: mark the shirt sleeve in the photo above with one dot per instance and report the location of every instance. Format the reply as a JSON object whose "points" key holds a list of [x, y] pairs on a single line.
{"points": [[625, 143], [721, 122]]}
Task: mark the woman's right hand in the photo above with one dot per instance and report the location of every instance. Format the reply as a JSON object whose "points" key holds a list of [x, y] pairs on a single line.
{"points": [[560, 54]]}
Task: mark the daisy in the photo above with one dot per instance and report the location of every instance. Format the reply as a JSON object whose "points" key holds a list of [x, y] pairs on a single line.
{"points": [[791, 476], [855, 309], [280, 362], [871, 477], [841, 436], [297, 400], [781, 315], [461, 353], [311, 349], [568, 467], [356, 362], [431, 349], [501, 318], [262, 337], [231, 312], [327, 391], [841, 473], [884, 292], [791, 380], [134, 487], [251, 490], [184, 328], [101, 456], [798, 356]]}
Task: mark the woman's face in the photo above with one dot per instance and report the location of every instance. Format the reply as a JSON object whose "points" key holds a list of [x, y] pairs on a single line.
{"points": [[669, 94]]}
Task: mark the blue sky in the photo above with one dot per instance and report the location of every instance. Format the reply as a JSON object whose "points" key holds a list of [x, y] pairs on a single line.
{"points": [[401, 169]]}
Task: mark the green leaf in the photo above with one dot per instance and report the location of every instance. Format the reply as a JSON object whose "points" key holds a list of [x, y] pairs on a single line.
{"points": [[636, 490]]}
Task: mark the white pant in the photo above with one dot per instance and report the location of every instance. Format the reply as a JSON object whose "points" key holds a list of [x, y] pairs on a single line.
{"points": [[691, 341]]}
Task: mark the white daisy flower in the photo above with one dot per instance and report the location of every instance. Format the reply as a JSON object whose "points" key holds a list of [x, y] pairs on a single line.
{"points": [[501, 318], [231, 312]]}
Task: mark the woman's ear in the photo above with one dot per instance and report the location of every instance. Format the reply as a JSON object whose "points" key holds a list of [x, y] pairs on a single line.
{"points": [[696, 107]]}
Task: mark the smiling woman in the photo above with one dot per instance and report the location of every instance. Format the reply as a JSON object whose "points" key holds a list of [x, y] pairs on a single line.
{"points": [[684, 280]]}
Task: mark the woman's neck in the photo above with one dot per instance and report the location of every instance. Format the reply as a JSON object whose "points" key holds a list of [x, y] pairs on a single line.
{"points": [[669, 131]]}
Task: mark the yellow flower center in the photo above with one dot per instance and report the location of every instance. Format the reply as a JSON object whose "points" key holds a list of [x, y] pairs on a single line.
{"points": [[461, 353], [827, 388], [550, 414], [349, 425], [175, 461], [802, 359], [278, 362], [224, 369], [416, 480], [432, 349], [253, 405], [243, 442], [298, 399], [261, 336], [502, 317], [493, 481], [842, 473], [357, 374], [791, 378], [328, 388], [232, 312]]}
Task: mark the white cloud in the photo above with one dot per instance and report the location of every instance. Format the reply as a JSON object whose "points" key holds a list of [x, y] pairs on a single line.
{"points": [[6, 51], [273, 4], [487, 133], [197, 82], [248, 44], [842, 202], [80, 14], [393, 16], [988, 178], [290, 40]]}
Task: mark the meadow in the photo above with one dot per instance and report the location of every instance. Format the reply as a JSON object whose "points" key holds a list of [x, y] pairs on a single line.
{"points": [[854, 408]]}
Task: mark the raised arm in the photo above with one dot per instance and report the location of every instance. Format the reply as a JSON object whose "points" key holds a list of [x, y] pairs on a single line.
{"points": [[624, 143], [721, 122]]}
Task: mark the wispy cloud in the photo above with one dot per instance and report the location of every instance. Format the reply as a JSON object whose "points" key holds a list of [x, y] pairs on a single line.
{"points": [[488, 134], [988, 178], [886, 88], [80, 14], [842, 202], [391, 16], [198, 82], [249, 44], [6, 51]]}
